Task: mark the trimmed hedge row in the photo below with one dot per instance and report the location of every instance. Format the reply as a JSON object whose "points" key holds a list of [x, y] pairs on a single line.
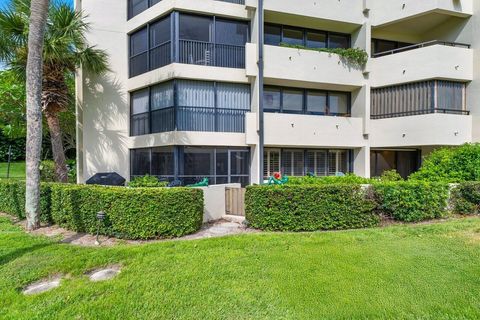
{"points": [[12, 199], [140, 213], [340, 206], [412, 201], [309, 208]]}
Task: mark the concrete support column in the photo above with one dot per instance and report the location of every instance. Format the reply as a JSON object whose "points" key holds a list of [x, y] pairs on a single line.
{"points": [[361, 162]]}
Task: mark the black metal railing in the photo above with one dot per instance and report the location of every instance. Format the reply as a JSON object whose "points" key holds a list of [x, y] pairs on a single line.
{"points": [[161, 55], [234, 1], [203, 119], [419, 112], [210, 54], [421, 45]]}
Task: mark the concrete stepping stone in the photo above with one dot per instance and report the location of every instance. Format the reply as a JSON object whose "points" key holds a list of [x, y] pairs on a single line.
{"points": [[104, 274], [42, 286]]}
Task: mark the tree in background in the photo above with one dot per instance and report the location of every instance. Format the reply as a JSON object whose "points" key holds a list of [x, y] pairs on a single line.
{"points": [[34, 67], [65, 49]]}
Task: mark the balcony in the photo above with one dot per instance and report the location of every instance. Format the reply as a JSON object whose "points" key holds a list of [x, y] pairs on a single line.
{"points": [[431, 60], [418, 13], [298, 67], [333, 13], [435, 129], [314, 131]]}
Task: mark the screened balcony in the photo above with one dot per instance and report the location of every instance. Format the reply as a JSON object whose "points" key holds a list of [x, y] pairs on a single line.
{"points": [[200, 40], [418, 98], [184, 105]]}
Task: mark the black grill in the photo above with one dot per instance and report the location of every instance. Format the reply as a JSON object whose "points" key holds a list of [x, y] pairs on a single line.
{"points": [[107, 179]]}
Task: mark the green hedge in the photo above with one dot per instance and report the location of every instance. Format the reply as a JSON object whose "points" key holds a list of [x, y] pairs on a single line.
{"points": [[12, 199], [465, 198], [140, 213], [315, 180], [309, 208], [412, 201]]}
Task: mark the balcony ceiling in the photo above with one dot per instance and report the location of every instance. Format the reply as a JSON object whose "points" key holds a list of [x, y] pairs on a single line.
{"points": [[310, 22], [416, 24]]}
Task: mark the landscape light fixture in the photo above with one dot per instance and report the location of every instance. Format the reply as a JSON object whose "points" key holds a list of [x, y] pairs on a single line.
{"points": [[100, 219]]}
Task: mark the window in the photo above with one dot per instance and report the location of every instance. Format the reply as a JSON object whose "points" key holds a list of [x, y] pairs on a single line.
{"points": [[405, 162], [339, 41], [201, 40], [291, 100], [450, 95], [188, 105], [192, 164], [136, 7], [273, 35], [380, 46], [299, 162], [277, 34], [292, 36], [316, 102], [139, 52], [140, 112], [338, 103]]}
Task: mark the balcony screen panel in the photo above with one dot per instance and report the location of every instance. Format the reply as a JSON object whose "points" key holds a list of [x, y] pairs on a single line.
{"points": [[233, 96], [162, 96], [140, 101], [450, 95], [154, 2], [160, 32], [338, 103], [139, 42], [339, 41], [316, 39], [293, 100], [273, 34], [316, 102], [292, 36], [196, 28], [198, 161], [140, 162], [136, 7], [231, 32], [221, 163], [271, 99], [240, 162], [163, 162], [196, 94]]}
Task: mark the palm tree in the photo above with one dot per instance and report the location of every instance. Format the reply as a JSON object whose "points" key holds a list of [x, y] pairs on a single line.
{"points": [[65, 50], [38, 18]]}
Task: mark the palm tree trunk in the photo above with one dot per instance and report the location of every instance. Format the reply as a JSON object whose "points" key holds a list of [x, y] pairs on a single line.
{"points": [[38, 18], [61, 170]]}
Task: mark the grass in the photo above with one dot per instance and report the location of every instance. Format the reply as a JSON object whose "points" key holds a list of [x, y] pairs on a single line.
{"points": [[17, 170], [399, 272]]}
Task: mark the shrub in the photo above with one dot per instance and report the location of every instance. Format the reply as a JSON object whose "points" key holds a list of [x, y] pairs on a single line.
{"points": [[412, 201], [47, 171], [465, 198], [315, 180], [147, 181], [448, 164], [390, 175], [309, 208], [130, 213], [12, 199]]}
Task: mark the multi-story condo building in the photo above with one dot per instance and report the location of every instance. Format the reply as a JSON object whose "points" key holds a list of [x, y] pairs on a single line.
{"points": [[211, 88]]}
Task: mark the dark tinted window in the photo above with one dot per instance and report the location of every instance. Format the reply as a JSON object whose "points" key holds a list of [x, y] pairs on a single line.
{"points": [[271, 99], [196, 28], [136, 6], [338, 103], [163, 161], [160, 32], [140, 162], [292, 36], [273, 35], [231, 32], [139, 42], [339, 41], [316, 102], [316, 40], [293, 100]]}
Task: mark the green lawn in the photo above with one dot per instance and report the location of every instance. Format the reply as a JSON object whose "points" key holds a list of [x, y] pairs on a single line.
{"points": [[17, 170], [400, 272]]}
